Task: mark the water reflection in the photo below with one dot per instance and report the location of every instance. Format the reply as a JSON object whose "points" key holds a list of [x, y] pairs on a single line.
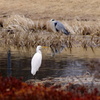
{"points": [[14, 64], [9, 68]]}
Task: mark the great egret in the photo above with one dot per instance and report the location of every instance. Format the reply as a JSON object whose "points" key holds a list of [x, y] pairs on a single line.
{"points": [[36, 60], [58, 27]]}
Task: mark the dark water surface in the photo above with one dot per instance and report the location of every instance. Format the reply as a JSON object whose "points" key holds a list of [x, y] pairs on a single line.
{"points": [[61, 65]]}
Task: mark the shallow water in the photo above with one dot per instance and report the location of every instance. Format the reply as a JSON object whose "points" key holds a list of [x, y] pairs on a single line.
{"points": [[60, 65]]}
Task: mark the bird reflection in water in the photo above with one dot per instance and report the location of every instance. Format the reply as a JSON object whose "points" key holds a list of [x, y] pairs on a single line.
{"points": [[56, 49]]}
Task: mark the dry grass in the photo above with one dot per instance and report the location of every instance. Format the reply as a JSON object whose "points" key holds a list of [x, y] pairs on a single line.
{"points": [[43, 9], [86, 27], [20, 31], [19, 23], [79, 17]]}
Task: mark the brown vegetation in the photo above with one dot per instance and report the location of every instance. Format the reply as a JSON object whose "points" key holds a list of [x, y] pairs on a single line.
{"points": [[25, 23], [43, 9], [23, 32], [14, 89]]}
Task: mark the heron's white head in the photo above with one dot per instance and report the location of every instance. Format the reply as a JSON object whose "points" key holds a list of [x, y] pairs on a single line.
{"points": [[38, 48], [52, 20], [52, 25]]}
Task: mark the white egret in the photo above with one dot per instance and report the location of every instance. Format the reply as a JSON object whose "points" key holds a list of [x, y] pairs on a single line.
{"points": [[58, 27], [36, 60]]}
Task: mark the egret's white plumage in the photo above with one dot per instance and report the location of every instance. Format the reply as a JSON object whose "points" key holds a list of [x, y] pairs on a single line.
{"points": [[36, 60]]}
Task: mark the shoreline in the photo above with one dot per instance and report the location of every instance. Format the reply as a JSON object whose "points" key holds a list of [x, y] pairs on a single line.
{"points": [[91, 82]]}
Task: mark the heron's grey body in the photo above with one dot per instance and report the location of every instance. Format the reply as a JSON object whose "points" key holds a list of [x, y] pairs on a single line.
{"points": [[59, 27]]}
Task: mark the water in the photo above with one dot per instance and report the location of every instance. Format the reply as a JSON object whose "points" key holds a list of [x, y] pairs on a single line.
{"points": [[60, 65]]}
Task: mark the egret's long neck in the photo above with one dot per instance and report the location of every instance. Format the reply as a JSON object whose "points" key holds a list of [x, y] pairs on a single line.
{"points": [[39, 51]]}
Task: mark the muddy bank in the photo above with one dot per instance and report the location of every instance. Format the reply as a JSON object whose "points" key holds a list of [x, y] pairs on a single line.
{"points": [[61, 83]]}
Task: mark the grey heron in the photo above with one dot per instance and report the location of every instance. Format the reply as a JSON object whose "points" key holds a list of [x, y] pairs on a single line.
{"points": [[58, 27]]}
